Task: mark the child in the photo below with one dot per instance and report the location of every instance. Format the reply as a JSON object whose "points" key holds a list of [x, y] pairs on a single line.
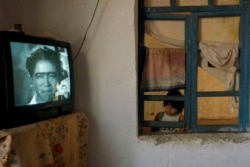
{"points": [[172, 112]]}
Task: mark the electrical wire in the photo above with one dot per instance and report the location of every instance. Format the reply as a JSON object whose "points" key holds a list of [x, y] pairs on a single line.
{"points": [[85, 35]]}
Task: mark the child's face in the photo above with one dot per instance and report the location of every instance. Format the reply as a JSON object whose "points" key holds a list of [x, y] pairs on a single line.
{"points": [[170, 110]]}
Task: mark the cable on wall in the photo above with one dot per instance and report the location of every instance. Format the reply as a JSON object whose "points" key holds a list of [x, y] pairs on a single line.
{"points": [[85, 35]]}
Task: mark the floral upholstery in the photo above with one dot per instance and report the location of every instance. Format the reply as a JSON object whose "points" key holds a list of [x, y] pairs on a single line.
{"points": [[57, 142]]}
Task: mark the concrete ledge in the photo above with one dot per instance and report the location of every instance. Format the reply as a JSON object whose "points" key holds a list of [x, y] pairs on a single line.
{"points": [[197, 138]]}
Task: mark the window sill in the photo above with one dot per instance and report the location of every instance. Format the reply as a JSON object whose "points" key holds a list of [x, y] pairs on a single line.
{"points": [[197, 138]]}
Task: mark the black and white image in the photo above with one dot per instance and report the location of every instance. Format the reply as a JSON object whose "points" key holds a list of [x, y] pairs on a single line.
{"points": [[40, 73]]}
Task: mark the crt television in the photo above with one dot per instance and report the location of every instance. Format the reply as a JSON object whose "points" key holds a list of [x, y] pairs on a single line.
{"points": [[36, 79]]}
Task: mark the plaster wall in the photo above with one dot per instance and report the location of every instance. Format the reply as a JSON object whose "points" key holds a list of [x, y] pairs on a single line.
{"points": [[105, 82]]}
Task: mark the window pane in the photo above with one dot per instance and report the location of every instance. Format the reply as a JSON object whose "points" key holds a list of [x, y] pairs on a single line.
{"points": [[218, 62], [191, 2], [156, 3], [219, 29], [164, 65], [218, 110], [151, 108], [215, 79], [170, 109], [160, 34], [226, 2]]}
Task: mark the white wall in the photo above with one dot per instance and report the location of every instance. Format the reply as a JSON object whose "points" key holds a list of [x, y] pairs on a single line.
{"points": [[105, 81]]}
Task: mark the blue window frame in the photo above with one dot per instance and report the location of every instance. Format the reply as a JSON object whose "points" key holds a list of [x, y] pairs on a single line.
{"points": [[192, 94]]}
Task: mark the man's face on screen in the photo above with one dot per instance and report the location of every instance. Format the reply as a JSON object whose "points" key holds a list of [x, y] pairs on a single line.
{"points": [[45, 80]]}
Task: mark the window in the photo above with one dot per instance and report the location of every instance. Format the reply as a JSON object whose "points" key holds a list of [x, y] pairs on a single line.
{"points": [[199, 48]]}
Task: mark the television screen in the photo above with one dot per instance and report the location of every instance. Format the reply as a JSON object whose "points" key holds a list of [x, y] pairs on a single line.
{"points": [[40, 73], [36, 79]]}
